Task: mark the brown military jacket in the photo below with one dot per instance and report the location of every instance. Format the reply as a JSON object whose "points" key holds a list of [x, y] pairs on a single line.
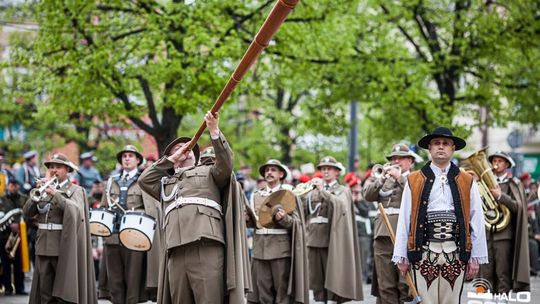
{"points": [[134, 202], [48, 241], [272, 246], [388, 192], [317, 205], [191, 223]]}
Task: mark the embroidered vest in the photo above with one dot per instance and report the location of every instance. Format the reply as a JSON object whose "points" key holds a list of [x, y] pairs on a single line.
{"points": [[421, 183]]}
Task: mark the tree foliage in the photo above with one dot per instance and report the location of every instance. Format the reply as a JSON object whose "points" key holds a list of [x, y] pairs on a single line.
{"points": [[411, 65]]}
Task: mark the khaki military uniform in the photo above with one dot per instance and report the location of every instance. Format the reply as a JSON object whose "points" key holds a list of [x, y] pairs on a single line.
{"points": [[389, 285], [126, 271], [505, 247], [271, 255], [193, 225], [319, 210], [63, 242]]}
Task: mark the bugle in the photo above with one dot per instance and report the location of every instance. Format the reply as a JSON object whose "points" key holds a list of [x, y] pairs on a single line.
{"points": [[277, 16], [303, 188], [380, 171], [38, 194]]}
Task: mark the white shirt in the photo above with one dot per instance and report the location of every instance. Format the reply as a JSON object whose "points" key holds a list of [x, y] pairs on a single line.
{"points": [[130, 174], [440, 198], [329, 185]]}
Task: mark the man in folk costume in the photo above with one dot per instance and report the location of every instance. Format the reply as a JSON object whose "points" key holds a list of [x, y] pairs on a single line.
{"points": [[440, 232], [388, 189], [279, 267], [335, 273], [126, 271], [64, 270], [205, 255], [508, 249]]}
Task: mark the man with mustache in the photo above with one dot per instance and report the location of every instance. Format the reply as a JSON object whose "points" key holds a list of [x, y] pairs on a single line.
{"points": [[205, 260], [335, 274], [440, 231], [64, 267], [276, 244], [125, 268], [508, 249], [388, 286]]}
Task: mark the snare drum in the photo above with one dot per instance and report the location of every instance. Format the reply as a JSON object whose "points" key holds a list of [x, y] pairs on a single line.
{"points": [[101, 222], [137, 231]]}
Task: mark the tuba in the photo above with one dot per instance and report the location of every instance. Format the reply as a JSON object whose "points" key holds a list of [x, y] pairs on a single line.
{"points": [[496, 216]]}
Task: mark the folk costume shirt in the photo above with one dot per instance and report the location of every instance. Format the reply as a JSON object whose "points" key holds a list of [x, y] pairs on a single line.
{"points": [[440, 199]]}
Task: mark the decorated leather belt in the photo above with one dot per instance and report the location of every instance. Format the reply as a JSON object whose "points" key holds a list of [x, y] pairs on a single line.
{"points": [[441, 226], [271, 231], [318, 220], [50, 226], [183, 201], [389, 211]]}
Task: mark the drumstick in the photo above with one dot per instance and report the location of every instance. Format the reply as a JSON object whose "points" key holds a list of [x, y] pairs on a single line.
{"points": [[115, 202]]}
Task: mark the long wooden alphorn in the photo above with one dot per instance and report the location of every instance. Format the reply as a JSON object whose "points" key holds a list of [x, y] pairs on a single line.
{"points": [[271, 25]]}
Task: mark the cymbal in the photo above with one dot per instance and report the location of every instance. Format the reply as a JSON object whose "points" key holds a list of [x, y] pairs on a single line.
{"points": [[284, 197]]}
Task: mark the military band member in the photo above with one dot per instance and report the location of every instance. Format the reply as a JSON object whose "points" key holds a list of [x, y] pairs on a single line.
{"points": [[208, 156], [508, 249], [206, 253], [274, 247], [388, 189], [364, 212], [28, 173], [334, 257], [64, 270], [440, 229], [12, 201], [125, 268]]}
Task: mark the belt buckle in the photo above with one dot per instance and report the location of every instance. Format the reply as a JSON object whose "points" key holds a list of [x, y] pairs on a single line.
{"points": [[49, 226]]}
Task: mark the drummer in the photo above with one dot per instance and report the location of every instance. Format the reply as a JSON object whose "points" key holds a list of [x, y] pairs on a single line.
{"points": [[125, 268], [273, 246]]}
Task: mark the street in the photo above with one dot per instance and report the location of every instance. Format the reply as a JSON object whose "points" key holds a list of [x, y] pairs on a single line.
{"points": [[535, 295]]}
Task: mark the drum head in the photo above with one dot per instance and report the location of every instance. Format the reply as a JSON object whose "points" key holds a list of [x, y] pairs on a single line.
{"points": [[134, 239], [99, 229]]}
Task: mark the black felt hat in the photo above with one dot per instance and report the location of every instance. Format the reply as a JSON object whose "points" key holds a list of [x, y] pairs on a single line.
{"points": [[442, 132]]}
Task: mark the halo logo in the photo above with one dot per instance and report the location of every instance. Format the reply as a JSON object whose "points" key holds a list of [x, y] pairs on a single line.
{"points": [[480, 293]]}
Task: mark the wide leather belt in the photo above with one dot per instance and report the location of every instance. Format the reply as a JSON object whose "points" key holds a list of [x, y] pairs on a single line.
{"points": [[50, 226], [271, 231], [318, 220], [182, 201], [389, 211], [441, 226]]}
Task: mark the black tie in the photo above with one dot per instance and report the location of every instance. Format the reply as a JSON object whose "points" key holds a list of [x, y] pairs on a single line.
{"points": [[326, 187]]}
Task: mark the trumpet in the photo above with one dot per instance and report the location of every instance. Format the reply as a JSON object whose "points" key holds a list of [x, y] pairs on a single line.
{"points": [[380, 171], [303, 188], [38, 194]]}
